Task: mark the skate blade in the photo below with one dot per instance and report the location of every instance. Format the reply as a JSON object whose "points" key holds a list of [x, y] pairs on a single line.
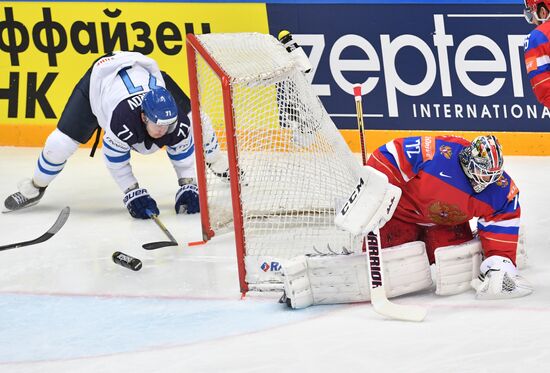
{"points": [[6, 211]]}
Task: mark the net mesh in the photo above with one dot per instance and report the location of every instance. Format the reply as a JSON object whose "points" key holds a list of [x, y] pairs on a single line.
{"points": [[296, 169]]}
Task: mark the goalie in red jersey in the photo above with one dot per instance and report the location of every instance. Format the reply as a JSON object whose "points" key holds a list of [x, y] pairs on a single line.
{"points": [[537, 49], [422, 193], [445, 182]]}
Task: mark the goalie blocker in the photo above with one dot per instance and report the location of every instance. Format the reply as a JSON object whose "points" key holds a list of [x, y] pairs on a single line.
{"points": [[363, 212]]}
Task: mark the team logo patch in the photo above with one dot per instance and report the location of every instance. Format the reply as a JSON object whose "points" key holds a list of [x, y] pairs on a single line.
{"points": [[446, 214], [513, 191], [428, 147], [272, 266], [446, 151], [502, 182]]}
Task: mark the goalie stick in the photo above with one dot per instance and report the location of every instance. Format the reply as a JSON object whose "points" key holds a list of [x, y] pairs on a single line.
{"points": [[60, 221], [378, 297], [159, 244], [360, 123]]}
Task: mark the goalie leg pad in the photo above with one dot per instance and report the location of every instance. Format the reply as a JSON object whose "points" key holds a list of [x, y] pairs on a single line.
{"points": [[456, 266], [311, 280], [521, 252], [298, 292], [406, 269]]}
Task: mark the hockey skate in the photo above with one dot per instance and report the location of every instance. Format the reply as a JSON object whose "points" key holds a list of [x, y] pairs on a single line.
{"points": [[303, 134], [220, 167], [27, 196]]}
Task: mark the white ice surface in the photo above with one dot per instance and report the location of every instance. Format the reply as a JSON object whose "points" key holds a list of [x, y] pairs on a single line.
{"points": [[66, 307]]}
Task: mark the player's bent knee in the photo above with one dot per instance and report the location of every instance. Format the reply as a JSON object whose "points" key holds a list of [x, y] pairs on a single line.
{"points": [[59, 147]]}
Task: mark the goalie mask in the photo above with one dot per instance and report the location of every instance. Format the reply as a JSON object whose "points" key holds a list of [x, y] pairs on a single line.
{"points": [[531, 11], [159, 107], [482, 162]]}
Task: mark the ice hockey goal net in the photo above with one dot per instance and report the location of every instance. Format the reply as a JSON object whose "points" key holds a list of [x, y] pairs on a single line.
{"points": [[294, 168]]}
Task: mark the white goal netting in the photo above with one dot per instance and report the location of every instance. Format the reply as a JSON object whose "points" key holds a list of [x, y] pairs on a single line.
{"points": [[295, 169]]}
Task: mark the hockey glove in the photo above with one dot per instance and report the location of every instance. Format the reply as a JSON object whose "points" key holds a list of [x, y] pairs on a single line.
{"points": [[499, 279], [138, 201], [187, 197]]}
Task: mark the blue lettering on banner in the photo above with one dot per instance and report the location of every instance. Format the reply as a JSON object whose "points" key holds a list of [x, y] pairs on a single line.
{"points": [[422, 67]]}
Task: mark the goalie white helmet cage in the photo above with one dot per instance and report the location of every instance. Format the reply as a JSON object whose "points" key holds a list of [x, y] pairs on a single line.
{"points": [[482, 161], [531, 10]]}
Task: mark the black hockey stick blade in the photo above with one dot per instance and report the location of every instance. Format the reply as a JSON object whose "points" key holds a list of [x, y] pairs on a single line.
{"points": [[158, 245], [61, 220]]}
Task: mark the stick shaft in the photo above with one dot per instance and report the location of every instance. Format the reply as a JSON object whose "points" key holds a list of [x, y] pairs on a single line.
{"points": [[360, 121], [379, 299], [162, 227], [375, 268]]}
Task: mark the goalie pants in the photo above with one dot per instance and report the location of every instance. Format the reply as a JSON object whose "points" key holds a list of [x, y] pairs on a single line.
{"points": [[397, 232]]}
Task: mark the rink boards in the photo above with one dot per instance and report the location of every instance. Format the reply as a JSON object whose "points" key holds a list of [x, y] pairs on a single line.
{"points": [[435, 67]]}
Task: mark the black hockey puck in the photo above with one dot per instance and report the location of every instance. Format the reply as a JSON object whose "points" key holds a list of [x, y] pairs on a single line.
{"points": [[127, 261]]}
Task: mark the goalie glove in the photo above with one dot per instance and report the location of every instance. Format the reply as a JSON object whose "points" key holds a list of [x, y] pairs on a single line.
{"points": [[499, 279], [370, 205]]}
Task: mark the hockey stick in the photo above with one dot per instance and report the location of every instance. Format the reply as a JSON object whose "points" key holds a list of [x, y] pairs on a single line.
{"points": [[378, 297], [159, 244], [360, 123], [61, 219]]}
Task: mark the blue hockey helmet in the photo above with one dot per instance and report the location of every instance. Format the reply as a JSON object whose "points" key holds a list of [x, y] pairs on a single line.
{"points": [[159, 107]]}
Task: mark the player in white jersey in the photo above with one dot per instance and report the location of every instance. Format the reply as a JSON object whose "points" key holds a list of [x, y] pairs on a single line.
{"points": [[139, 108]]}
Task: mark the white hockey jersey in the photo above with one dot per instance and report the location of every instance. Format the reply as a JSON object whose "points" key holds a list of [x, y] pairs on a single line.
{"points": [[117, 85]]}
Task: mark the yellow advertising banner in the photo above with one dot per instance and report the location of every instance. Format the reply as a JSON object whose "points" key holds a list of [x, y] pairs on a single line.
{"points": [[45, 48]]}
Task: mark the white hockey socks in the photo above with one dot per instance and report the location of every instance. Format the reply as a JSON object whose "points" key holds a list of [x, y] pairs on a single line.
{"points": [[58, 148]]}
